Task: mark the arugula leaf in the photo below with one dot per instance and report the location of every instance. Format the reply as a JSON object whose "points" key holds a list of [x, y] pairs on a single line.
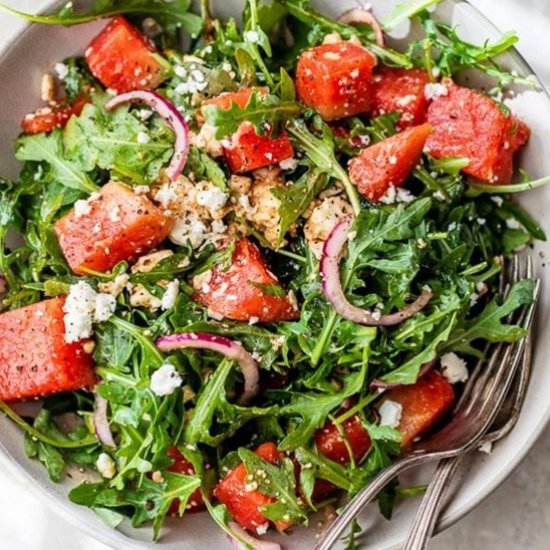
{"points": [[296, 198], [451, 54], [350, 540], [203, 166], [212, 405], [404, 11], [256, 38], [49, 148], [303, 11], [490, 324], [150, 500], [277, 482], [266, 112], [316, 466], [77, 80], [408, 372], [313, 408], [114, 141], [170, 15], [320, 150], [509, 188]]}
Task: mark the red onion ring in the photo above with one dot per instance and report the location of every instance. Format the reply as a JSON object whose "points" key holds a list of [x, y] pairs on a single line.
{"points": [[170, 115], [231, 349], [253, 541], [381, 385], [362, 15], [332, 286], [101, 422]]}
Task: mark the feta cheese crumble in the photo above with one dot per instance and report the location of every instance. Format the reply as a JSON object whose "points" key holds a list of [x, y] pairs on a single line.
{"points": [[396, 194], [165, 380], [143, 138], [84, 207], [83, 307], [79, 310], [105, 306], [454, 368], [289, 164], [435, 90], [170, 295], [213, 198], [106, 466], [61, 70], [390, 413], [252, 36]]}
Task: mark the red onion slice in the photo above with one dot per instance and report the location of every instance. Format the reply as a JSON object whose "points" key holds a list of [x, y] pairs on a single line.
{"points": [[27, 409], [101, 422], [231, 349], [332, 286], [362, 15], [381, 385], [170, 115], [253, 541]]}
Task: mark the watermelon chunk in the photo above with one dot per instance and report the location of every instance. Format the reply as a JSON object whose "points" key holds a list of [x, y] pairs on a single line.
{"points": [[424, 405], [246, 150], [119, 225], [388, 163], [469, 124], [182, 466], [124, 59], [330, 443], [50, 118], [247, 290], [336, 79], [244, 504], [35, 359], [401, 90]]}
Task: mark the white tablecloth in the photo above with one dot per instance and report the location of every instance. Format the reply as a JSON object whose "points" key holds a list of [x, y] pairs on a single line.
{"points": [[516, 517]]}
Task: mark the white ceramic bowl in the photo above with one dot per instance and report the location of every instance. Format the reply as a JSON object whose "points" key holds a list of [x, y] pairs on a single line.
{"points": [[30, 51]]}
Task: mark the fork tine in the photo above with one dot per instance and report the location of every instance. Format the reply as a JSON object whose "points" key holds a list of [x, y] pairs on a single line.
{"points": [[494, 393], [454, 439], [476, 371], [483, 368], [425, 521]]}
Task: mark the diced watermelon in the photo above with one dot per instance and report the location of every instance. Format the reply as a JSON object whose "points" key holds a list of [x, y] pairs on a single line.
{"points": [[124, 59], [469, 124], [50, 118], [389, 162], [120, 225], [247, 290], [336, 79], [35, 360], [401, 90], [424, 405], [244, 504], [246, 150], [330, 443], [182, 466], [241, 97]]}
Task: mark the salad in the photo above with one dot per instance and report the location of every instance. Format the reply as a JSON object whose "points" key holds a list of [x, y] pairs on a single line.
{"points": [[254, 270]]}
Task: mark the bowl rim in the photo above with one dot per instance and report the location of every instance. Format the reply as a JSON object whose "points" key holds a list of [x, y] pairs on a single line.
{"points": [[113, 537]]}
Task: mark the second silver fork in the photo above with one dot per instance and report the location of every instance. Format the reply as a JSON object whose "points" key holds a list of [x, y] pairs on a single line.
{"points": [[425, 521], [462, 434]]}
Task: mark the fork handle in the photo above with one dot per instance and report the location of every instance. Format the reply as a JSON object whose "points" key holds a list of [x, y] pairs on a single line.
{"points": [[424, 522], [353, 508]]}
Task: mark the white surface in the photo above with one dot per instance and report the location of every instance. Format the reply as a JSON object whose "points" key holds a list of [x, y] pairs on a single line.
{"points": [[515, 517]]}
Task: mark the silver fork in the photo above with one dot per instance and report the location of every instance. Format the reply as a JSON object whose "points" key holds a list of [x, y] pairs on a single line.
{"points": [[463, 433], [425, 521]]}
